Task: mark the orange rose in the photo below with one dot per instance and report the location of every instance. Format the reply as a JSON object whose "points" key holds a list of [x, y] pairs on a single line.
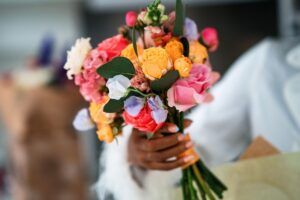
{"points": [[156, 62], [183, 65], [97, 113], [198, 53], [129, 53], [105, 133], [174, 49]]}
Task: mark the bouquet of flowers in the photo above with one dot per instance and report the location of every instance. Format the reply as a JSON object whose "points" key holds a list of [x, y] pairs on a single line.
{"points": [[148, 75]]}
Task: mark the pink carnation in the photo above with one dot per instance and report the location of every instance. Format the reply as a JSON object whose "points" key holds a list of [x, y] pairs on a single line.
{"points": [[89, 81], [113, 46], [188, 92], [139, 81]]}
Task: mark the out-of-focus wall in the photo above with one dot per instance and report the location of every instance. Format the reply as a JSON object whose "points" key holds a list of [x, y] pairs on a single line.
{"points": [[23, 24]]}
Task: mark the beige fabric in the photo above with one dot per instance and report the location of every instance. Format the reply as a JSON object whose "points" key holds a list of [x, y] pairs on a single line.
{"points": [[270, 178]]}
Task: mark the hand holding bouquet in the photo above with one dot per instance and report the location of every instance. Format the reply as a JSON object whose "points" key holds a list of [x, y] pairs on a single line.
{"points": [[149, 75]]}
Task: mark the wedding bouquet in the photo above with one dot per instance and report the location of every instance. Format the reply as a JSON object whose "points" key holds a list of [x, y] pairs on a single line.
{"points": [[150, 74]]}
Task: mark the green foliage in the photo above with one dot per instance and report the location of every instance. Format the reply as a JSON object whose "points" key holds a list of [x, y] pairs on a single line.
{"points": [[165, 82], [179, 21], [113, 106], [117, 66]]}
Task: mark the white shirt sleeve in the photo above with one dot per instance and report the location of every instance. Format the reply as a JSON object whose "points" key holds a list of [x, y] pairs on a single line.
{"points": [[221, 129]]}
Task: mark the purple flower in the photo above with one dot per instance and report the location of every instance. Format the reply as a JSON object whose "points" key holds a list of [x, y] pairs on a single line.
{"points": [[190, 29], [159, 114], [133, 105]]}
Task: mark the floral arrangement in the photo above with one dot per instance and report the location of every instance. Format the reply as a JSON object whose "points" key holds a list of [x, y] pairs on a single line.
{"points": [[149, 74]]}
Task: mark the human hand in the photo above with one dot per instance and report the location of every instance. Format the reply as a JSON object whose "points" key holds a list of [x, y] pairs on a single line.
{"points": [[161, 152]]}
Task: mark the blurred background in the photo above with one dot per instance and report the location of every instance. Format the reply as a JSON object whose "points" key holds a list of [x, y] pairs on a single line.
{"points": [[35, 34]]}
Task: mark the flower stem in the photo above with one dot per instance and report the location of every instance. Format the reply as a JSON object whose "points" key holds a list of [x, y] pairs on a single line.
{"points": [[202, 182], [139, 92]]}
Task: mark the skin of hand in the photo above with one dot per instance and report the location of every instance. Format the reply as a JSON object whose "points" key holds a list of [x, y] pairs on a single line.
{"points": [[160, 152]]}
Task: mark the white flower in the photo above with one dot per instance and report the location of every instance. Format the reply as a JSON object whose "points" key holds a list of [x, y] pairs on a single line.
{"points": [[82, 121], [117, 86], [76, 56]]}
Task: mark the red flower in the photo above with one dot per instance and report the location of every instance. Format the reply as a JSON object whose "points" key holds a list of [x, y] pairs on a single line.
{"points": [[113, 46], [143, 121]]}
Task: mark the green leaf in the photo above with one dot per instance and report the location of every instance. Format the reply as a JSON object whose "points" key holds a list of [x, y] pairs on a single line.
{"points": [[186, 46], [165, 82], [134, 42], [179, 21], [117, 66], [113, 106]]}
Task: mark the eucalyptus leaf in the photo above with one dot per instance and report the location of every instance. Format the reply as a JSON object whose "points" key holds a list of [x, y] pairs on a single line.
{"points": [[179, 21], [113, 106], [186, 46], [165, 82], [117, 66]]}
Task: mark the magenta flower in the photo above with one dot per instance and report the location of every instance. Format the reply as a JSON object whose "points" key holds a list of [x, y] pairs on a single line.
{"points": [[131, 18]]}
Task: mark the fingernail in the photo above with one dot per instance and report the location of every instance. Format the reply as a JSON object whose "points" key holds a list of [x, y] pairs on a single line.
{"points": [[180, 137], [188, 158], [189, 144], [173, 128]]}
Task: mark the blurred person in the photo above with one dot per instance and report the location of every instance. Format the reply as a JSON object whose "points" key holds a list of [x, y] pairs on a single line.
{"points": [[259, 95]]}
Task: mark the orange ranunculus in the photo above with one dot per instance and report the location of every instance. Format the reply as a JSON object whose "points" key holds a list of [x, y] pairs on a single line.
{"points": [[129, 53], [156, 62], [174, 49], [183, 65], [198, 52], [97, 113]]}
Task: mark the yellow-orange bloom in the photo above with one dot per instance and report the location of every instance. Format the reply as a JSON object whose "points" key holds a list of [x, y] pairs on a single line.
{"points": [[183, 65], [156, 62], [105, 133], [129, 53], [198, 52], [97, 113], [174, 49]]}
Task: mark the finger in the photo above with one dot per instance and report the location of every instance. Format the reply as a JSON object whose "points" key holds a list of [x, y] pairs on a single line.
{"points": [[187, 123], [169, 153], [169, 128], [160, 143], [168, 165]]}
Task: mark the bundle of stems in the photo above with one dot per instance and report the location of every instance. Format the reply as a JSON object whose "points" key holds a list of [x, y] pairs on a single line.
{"points": [[197, 181]]}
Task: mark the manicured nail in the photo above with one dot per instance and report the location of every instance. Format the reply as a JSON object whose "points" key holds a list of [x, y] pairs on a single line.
{"points": [[173, 128], [180, 138], [188, 158], [189, 144]]}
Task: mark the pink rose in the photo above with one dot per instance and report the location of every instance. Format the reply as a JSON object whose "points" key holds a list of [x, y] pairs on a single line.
{"points": [[210, 38], [113, 46], [131, 18], [89, 81], [188, 92]]}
